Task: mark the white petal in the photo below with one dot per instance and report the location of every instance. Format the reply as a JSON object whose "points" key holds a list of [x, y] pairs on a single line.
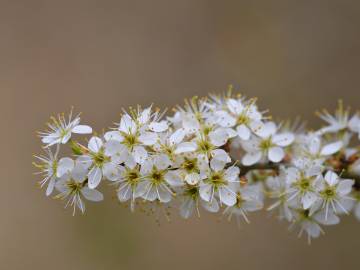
{"points": [[186, 147], [163, 194], [162, 161], [212, 206], [51, 185], [127, 124], [113, 135], [331, 148], [66, 165], [235, 106], [187, 207], [221, 155], [232, 174], [344, 187], [283, 139], [177, 136], [292, 175], [243, 132], [150, 193], [158, 126], [190, 123], [263, 130], [314, 145], [251, 158], [173, 179], [113, 147], [308, 199], [148, 138], [82, 129], [218, 137], [276, 154], [92, 194], [227, 196], [95, 176], [112, 171], [95, 144], [225, 119], [331, 178], [124, 193], [192, 178], [217, 165], [140, 154], [326, 218], [86, 160], [145, 115], [205, 192], [140, 189], [66, 138], [80, 171]]}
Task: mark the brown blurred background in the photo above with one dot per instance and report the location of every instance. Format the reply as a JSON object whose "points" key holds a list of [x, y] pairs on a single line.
{"points": [[100, 56]]}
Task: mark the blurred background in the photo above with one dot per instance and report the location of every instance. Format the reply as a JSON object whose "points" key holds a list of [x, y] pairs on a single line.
{"points": [[100, 56]]}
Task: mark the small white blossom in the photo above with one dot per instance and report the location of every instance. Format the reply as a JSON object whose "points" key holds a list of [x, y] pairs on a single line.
{"points": [[60, 130], [267, 145], [221, 182], [73, 187]]}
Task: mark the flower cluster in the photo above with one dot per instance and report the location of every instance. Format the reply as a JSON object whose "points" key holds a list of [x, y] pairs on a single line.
{"points": [[213, 154]]}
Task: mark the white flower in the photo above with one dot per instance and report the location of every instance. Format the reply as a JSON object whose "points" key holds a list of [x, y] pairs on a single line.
{"points": [[190, 168], [74, 187], [221, 182], [135, 134], [129, 185], [301, 184], [245, 117], [311, 223], [158, 180], [333, 192], [53, 169], [207, 145], [340, 121], [60, 130], [313, 147], [191, 200], [248, 200], [278, 190], [102, 161], [267, 144]]}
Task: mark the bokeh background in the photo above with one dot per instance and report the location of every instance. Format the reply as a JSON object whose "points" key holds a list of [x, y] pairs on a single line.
{"points": [[100, 56]]}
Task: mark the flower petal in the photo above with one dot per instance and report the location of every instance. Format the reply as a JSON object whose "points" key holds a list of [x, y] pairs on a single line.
{"points": [[276, 154], [243, 132], [92, 194], [95, 144], [251, 158], [82, 129], [95, 176], [331, 148]]}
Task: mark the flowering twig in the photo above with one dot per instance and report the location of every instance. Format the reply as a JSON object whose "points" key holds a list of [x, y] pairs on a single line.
{"points": [[214, 153]]}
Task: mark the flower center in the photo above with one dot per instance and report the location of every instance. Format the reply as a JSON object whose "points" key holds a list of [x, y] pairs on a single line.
{"points": [[130, 140], [132, 177], [74, 186], [242, 119], [329, 193], [192, 191], [157, 177], [190, 165], [217, 179], [265, 144], [99, 158]]}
